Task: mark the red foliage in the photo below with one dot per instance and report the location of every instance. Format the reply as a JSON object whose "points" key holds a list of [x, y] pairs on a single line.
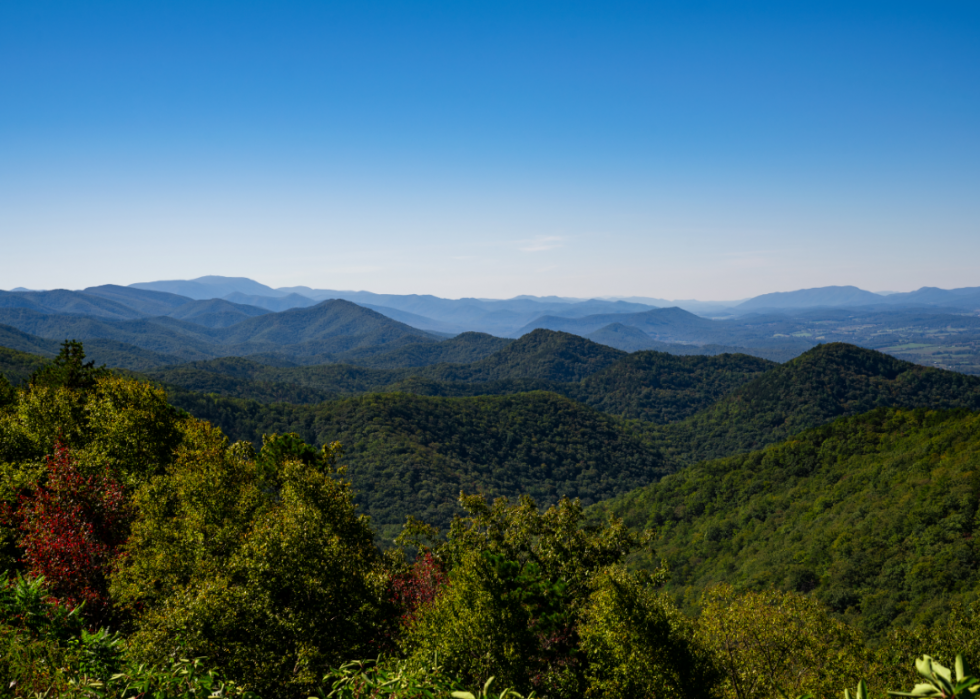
{"points": [[73, 527], [418, 587]]}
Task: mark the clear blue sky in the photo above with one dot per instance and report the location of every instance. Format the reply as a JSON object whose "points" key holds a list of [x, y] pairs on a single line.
{"points": [[672, 149]]}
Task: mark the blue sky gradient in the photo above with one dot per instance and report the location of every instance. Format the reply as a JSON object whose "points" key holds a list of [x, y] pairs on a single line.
{"points": [[673, 150]]}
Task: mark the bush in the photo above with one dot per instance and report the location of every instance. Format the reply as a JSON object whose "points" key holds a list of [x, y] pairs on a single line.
{"points": [[270, 573], [541, 603]]}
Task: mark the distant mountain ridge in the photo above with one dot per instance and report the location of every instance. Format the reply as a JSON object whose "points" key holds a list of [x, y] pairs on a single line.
{"points": [[967, 298], [303, 335]]}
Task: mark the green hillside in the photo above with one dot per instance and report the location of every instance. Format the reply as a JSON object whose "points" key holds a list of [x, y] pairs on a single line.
{"points": [[464, 348], [824, 383], [240, 377], [661, 388], [652, 386], [541, 354], [877, 514], [16, 366], [302, 335], [412, 455]]}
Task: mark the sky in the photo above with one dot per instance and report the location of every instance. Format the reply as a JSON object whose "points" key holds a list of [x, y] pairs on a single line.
{"points": [[676, 150]]}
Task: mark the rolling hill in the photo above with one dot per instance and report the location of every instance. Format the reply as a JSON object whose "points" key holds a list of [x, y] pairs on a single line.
{"points": [[414, 454], [825, 383], [146, 303], [215, 313], [307, 335], [874, 514]]}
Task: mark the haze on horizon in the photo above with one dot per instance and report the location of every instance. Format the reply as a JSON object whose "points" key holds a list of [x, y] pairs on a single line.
{"points": [[701, 150]]}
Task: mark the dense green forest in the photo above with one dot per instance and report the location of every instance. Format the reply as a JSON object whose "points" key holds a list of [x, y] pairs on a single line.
{"points": [[650, 386], [875, 515], [824, 383], [143, 527], [412, 455]]}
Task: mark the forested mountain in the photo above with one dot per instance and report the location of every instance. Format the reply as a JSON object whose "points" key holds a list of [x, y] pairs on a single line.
{"points": [[65, 302], [271, 303], [183, 539], [462, 349], [497, 316], [875, 514], [686, 408], [16, 366], [538, 355], [820, 385], [411, 455], [307, 335], [147, 303], [661, 388], [215, 313], [664, 324], [15, 339], [652, 386]]}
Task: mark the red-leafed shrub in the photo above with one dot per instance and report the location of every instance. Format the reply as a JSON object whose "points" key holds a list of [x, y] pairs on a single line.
{"points": [[72, 528], [418, 587]]}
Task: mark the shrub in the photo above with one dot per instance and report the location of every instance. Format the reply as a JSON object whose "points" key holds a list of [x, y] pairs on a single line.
{"points": [[72, 527]]}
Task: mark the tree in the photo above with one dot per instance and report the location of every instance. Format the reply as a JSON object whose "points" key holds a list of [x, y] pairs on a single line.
{"points": [[271, 574], [773, 643], [526, 603], [72, 527], [69, 370]]}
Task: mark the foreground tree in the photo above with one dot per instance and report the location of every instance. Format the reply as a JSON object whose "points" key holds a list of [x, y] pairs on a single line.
{"points": [[542, 604], [259, 562], [73, 526]]}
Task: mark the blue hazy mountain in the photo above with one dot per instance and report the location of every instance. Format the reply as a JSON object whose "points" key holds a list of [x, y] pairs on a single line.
{"points": [[211, 287], [967, 298], [215, 313], [62, 301], [148, 303], [497, 317], [417, 321], [302, 335], [834, 296], [663, 324], [271, 303]]}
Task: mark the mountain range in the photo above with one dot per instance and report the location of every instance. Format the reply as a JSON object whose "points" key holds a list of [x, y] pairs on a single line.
{"points": [[150, 325]]}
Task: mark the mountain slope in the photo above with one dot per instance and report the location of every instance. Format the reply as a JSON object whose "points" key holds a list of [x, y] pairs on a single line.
{"points": [[64, 302], [661, 388], [17, 367], [147, 303], [215, 313], [209, 287], [162, 335], [836, 296], [416, 320], [652, 386], [412, 455], [550, 356], [875, 514], [820, 385], [464, 348], [622, 337], [664, 324], [326, 320], [308, 335], [20, 341], [270, 303]]}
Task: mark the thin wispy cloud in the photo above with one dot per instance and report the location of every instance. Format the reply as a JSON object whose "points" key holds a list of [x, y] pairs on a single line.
{"points": [[354, 269], [542, 243]]}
